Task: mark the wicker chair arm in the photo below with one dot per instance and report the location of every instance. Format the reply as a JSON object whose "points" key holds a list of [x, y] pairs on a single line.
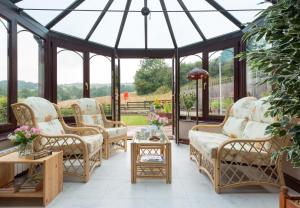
{"points": [[208, 128], [81, 131], [59, 142], [98, 127]]}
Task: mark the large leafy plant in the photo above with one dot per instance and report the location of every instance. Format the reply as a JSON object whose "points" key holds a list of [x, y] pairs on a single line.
{"points": [[280, 62]]}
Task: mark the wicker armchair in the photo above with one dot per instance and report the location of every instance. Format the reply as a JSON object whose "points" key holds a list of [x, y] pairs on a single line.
{"points": [[81, 146], [237, 152], [88, 113]]}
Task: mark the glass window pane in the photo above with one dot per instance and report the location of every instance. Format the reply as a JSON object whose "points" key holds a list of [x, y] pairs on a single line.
{"points": [[100, 81], [221, 81], [44, 17], [69, 79], [255, 78], [189, 86], [244, 16], [212, 24], [184, 31], [84, 19], [29, 61], [3, 69], [107, 31], [158, 33], [133, 35]]}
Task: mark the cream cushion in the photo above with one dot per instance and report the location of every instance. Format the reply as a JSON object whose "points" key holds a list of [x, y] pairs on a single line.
{"points": [[93, 142], [45, 115], [52, 128], [243, 108], [90, 111], [116, 132], [206, 143], [255, 130], [88, 106], [93, 119], [234, 127]]}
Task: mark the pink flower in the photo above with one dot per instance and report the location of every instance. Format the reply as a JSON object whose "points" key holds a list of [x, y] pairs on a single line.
{"points": [[28, 135], [35, 130], [18, 129], [24, 128]]}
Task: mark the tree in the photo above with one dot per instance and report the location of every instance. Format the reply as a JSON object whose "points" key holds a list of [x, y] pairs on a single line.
{"points": [[153, 74]]}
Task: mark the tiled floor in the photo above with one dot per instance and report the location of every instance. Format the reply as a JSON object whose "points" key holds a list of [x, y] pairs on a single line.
{"points": [[110, 187]]}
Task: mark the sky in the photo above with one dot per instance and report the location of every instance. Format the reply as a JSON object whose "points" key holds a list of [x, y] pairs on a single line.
{"points": [[69, 64]]}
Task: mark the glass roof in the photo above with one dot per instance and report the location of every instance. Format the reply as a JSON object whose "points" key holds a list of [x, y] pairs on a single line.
{"points": [[183, 19]]}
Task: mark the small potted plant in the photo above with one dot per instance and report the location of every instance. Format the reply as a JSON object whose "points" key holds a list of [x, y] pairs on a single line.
{"points": [[157, 105], [188, 100], [23, 137], [166, 110]]}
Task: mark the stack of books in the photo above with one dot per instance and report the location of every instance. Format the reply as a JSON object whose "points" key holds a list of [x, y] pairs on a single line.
{"points": [[8, 188], [152, 158], [32, 184]]}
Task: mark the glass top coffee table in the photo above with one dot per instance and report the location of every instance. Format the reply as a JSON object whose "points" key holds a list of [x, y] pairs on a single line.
{"points": [[151, 159]]}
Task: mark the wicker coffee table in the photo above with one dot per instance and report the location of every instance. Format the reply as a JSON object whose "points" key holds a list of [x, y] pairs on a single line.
{"points": [[151, 159]]}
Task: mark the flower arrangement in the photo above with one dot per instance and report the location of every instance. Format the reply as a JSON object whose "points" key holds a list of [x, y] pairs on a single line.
{"points": [[24, 137], [156, 120]]}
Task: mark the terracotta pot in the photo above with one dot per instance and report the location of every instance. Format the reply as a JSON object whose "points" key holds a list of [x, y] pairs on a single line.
{"points": [[163, 114]]}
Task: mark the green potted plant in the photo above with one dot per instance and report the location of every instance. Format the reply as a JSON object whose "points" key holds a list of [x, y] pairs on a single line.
{"points": [[188, 100], [280, 62], [166, 110]]}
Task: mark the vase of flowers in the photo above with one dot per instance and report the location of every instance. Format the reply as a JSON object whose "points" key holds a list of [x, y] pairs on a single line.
{"points": [[157, 121], [23, 137]]}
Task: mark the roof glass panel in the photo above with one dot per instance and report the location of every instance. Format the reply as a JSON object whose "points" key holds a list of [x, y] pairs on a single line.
{"points": [[107, 31], [179, 20], [244, 16], [211, 23], [44, 17], [85, 19], [133, 35], [158, 33]]}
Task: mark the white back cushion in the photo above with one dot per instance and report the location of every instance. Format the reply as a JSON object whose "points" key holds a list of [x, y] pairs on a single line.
{"points": [[45, 115], [88, 106], [234, 127], [242, 108]]}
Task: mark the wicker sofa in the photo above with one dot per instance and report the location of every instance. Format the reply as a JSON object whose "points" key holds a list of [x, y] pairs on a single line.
{"points": [[81, 146], [238, 152], [88, 113]]}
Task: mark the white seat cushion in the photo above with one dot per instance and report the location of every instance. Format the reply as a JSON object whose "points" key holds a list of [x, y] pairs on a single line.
{"points": [[93, 142], [116, 132], [234, 127], [207, 143]]}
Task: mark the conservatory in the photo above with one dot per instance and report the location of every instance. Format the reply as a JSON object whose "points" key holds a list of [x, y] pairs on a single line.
{"points": [[156, 103]]}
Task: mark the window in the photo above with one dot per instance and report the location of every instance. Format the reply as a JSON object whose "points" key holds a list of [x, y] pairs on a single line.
{"points": [[30, 64], [3, 69], [100, 81], [255, 78], [69, 79], [221, 81], [189, 86]]}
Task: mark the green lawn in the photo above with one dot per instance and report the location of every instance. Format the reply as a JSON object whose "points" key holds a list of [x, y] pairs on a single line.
{"points": [[134, 120]]}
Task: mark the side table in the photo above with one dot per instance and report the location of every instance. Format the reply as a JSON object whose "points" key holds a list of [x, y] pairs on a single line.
{"points": [[52, 173]]}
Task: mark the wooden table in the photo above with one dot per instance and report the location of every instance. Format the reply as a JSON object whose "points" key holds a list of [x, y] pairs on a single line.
{"points": [[52, 171], [142, 169]]}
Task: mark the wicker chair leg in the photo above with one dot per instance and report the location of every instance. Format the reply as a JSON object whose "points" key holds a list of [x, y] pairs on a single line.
{"points": [[125, 144], [105, 149], [86, 170], [217, 176]]}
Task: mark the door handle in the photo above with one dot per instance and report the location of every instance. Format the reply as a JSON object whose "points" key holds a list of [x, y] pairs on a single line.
{"points": [[86, 86], [204, 85]]}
